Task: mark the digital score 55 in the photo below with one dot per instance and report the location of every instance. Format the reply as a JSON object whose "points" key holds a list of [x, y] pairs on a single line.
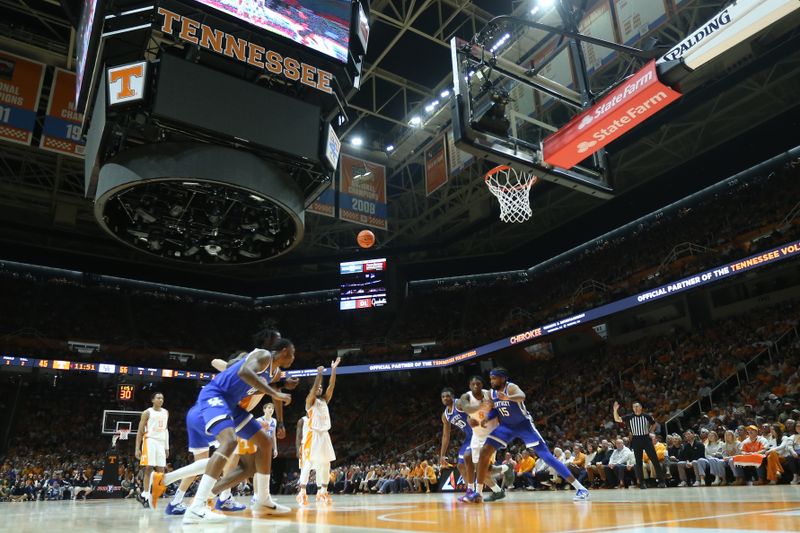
{"points": [[125, 393]]}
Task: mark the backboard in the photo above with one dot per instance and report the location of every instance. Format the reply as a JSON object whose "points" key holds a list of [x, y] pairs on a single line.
{"points": [[114, 420]]}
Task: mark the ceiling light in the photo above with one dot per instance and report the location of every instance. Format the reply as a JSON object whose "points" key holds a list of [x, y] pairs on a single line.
{"points": [[415, 120], [544, 4], [390, 148], [429, 108], [445, 93], [357, 141]]}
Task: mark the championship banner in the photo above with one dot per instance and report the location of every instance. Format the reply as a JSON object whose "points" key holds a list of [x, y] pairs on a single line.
{"points": [[435, 166], [20, 86], [362, 192], [325, 204], [63, 131], [457, 159]]}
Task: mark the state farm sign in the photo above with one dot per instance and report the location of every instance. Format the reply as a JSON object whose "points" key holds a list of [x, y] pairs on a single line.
{"points": [[636, 99]]}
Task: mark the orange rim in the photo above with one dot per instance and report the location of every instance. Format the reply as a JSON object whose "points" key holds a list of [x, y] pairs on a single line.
{"points": [[502, 168]]}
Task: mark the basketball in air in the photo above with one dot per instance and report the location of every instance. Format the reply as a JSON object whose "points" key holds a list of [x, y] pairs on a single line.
{"points": [[366, 239]]}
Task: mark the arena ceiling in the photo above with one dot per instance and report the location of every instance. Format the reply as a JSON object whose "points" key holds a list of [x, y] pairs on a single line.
{"points": [[711, 133]]}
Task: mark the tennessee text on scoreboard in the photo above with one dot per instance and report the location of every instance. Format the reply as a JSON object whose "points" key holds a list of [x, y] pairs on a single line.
{"points": [[62, 131], [362, 192], [20, 86]]}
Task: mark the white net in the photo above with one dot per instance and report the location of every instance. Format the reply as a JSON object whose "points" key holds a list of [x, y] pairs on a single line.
{"points": [[513, 190]]}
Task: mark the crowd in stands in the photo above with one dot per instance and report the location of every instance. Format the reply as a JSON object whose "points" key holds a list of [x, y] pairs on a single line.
{"points": [[387, 426], [148, 321]]}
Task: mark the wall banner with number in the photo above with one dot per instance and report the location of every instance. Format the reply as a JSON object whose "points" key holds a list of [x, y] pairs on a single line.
{"points": [[325, 204], [20, 86], [362, 192], [62, 131], [435, 166]]}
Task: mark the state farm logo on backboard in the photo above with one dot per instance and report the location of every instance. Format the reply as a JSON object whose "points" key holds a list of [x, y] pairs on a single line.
{"points": [[636, 99], [126, 83]]}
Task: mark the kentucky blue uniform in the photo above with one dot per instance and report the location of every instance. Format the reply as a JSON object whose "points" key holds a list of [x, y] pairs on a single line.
{"points": [[459, 420], [516, 422], [218, 407]]}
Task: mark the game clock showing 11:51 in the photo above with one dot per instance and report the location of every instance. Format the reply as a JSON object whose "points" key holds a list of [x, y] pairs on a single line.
{"points": [[125, 393]]}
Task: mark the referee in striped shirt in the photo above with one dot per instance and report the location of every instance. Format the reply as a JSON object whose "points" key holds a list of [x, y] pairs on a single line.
{"points": [[641, 425]]}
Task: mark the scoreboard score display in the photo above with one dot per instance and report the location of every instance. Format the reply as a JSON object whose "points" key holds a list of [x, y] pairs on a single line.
{"points": [[126, 393], [363, 284]]}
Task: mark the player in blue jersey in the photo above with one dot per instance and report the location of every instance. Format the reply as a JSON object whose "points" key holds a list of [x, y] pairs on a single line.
{"points": [[218, 404], [516, 423], [453, 416]]}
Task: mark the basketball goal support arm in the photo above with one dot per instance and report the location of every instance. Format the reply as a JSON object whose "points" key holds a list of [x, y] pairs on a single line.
{"points": [[629, 50]]}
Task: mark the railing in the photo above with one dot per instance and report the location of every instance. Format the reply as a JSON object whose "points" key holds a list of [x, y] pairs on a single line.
{"points": [[585, 397], [790, 216], [741, 375], [681, 250]]}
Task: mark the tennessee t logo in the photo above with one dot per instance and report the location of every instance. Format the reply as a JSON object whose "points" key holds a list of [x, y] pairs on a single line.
{"points": [[126, 83]]}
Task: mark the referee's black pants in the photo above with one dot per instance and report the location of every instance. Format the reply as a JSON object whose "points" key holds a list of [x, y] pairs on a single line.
{"points": [[641, 443]]}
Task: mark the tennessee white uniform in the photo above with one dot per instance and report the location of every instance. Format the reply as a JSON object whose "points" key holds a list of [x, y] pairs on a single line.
{"points": [[304, 435], [317, 446], [479, 434], [156, 438]]}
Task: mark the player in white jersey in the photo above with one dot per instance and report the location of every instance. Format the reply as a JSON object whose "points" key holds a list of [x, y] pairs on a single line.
{"points": [[317, 447], [304, 463], [477, 403], [270, 425], [152, 442]]}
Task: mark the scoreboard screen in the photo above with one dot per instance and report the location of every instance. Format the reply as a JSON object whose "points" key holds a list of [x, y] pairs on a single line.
{"points": [[126, 393], [322, 25], [363, 284], [86, 43]]}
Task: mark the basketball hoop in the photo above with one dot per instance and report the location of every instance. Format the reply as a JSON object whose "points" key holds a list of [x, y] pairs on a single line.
{"points": [[121, 434], [513, 189]]}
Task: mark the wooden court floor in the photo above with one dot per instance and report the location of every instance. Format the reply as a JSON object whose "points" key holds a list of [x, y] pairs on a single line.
{"points": [[677, 510]]}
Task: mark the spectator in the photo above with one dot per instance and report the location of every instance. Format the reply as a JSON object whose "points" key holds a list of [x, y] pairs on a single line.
{"points": [[691, 451], [781, 457], [621, 463], [753, 445]]}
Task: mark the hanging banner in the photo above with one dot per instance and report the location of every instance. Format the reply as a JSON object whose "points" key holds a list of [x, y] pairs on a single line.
{"points": [[457, 159], [20, 87], [598, 23], [637, 19], [62, 131], [325, 204], [435, 166], [362, 192]]}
